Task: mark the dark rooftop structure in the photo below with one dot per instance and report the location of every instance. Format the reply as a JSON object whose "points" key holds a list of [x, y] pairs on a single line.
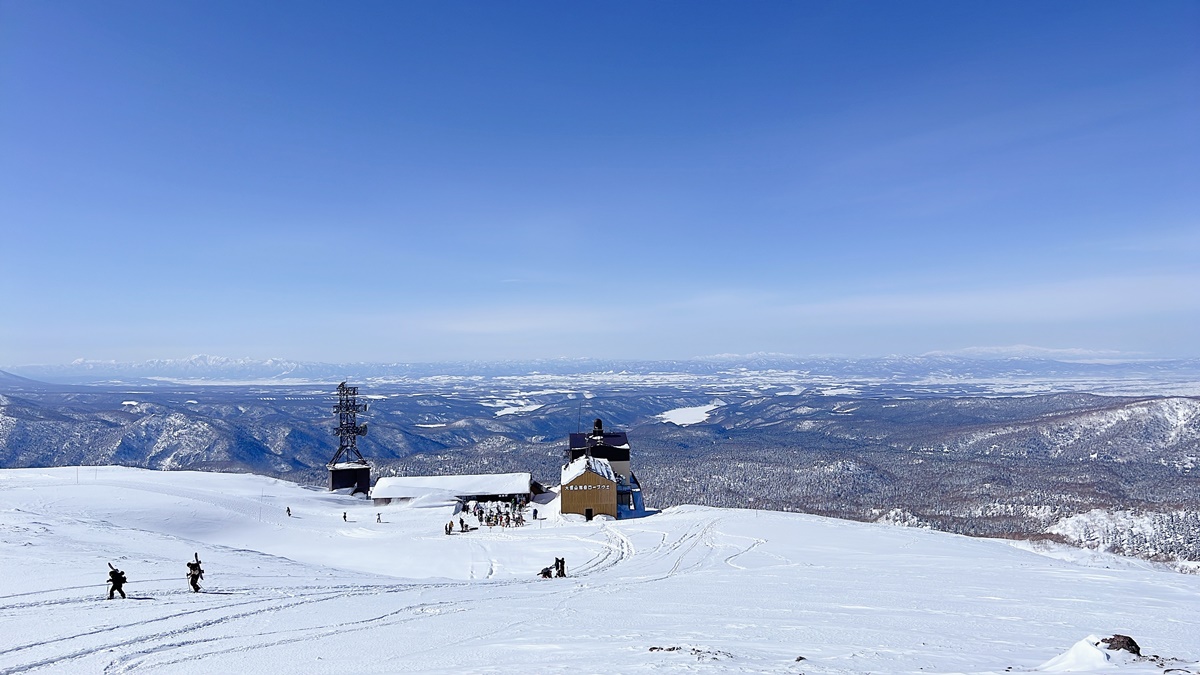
{"points": [[610, 445]]}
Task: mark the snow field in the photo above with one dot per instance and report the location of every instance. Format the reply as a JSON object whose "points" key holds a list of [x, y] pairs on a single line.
{"points": [[690, 415], [736, 591]]}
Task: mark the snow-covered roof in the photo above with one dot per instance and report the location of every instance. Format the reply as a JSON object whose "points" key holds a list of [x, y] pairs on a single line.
{"points": [[584, 463], [460, 486], [348, 465]]}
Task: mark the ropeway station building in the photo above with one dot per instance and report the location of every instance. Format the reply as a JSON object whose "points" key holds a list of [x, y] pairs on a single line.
{"points": [[597, 478]]}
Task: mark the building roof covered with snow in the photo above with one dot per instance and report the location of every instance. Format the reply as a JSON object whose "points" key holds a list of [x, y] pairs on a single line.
{"points": [[596, 465], [470, 485]]}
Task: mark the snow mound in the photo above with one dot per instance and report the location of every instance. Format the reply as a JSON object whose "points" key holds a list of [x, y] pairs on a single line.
{"points": [[1083, 657]]}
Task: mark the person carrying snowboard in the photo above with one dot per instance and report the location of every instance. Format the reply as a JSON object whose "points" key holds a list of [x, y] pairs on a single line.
{"points": [[195, 574], [117, 578]]}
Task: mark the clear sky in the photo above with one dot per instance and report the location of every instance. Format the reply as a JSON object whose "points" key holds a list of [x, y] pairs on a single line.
{"points": [[404, 181]]}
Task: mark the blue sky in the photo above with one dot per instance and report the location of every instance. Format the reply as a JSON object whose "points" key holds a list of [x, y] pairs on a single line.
{"points": [[424, 181]]}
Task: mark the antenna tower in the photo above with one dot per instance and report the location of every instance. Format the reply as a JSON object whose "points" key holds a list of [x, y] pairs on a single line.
{"points": [[348, 429]]}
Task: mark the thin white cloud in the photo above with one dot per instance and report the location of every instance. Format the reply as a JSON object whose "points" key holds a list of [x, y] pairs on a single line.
{"points": [[1086, 299], [1032, 351]]}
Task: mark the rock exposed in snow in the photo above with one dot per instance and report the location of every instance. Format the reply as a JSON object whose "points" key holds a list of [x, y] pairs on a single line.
{"points": [[1125, 642]]}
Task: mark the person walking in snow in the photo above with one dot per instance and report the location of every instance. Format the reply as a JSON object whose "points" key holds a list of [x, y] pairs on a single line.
{"points": [[462, 524], [195, 574], [117, 578]]}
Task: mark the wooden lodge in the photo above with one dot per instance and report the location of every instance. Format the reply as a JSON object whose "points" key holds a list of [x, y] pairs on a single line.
{"points": [[598, 476], [589, 488]]}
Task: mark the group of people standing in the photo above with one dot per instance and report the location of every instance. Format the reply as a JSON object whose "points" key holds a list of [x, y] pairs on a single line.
{"points": [[491, 514], [500, 514]]}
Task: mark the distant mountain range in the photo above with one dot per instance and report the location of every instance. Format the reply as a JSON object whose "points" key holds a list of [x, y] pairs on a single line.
{"points": [[895, 369], [989, 464], [1001, 447]]}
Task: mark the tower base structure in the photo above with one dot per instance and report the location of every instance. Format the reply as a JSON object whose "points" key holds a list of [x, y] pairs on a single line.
{"points": [[350, 475]]}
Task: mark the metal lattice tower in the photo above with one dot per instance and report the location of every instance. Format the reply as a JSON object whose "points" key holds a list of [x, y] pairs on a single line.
{"points": [[348, 429]]}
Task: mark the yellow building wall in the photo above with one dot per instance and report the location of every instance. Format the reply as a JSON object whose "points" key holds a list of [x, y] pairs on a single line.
{"points": [[589, 491]]}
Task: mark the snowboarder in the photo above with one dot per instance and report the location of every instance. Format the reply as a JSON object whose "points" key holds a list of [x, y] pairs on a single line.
{"points": [[560, 567], [289, 511], [195, 574], [344, 516], [379, 517], [117, 578], [545, 573]]}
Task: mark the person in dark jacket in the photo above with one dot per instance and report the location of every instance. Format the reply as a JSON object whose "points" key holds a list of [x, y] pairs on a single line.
{"points": [[195, 574], [117, 578]]}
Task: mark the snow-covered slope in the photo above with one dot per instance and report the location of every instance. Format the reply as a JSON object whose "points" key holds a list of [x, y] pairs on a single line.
{"points": [[689, 589]]}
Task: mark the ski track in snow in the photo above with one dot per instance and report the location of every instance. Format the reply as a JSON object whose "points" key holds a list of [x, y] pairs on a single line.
{"points": [[733, 591]]}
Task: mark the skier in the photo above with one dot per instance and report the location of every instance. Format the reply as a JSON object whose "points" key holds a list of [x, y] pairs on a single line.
{"points": [[379, 517], [117, 578], [289, 511], [560, 567], [195, 573], [535, 514], [344, 516]]}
